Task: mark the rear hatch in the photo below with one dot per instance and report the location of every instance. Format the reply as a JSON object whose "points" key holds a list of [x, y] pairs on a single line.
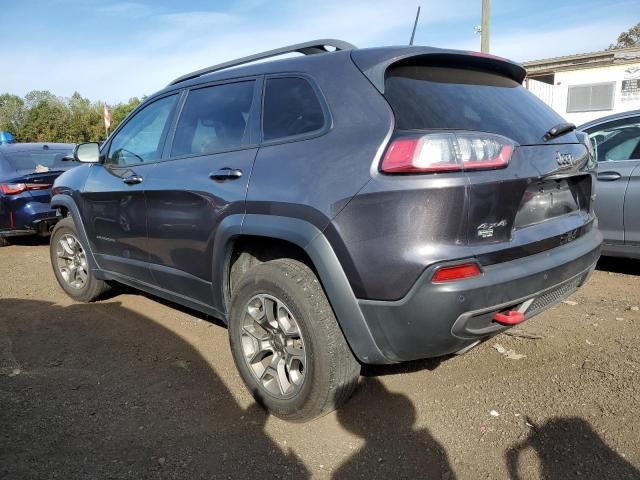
{"points": [[467, 115]]}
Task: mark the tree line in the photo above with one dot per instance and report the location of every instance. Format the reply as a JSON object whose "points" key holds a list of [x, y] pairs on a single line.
{"points": [[41, 116]]}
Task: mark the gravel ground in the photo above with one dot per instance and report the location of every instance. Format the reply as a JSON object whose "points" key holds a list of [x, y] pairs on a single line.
{"points": [[133, 387]]}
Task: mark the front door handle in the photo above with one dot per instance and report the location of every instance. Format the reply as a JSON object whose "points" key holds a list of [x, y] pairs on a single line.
{"points": [[226, 173], [133, 180], [609, 176]]}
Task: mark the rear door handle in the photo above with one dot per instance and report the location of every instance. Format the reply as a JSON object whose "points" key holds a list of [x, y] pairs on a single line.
{"points": [[609, 176], [226, 173], [133, 180]]}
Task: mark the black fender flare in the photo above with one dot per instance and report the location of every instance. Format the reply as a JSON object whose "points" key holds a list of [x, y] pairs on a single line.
{"points": [[68, 203], [317, 247]]}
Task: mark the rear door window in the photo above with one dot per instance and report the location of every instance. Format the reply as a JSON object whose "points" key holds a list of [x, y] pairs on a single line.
{"points": [[215, 119], [291, 108], [434, 97]]}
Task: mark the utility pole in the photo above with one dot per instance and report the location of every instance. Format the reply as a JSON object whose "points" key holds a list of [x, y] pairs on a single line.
{"points": [[484, 28]]}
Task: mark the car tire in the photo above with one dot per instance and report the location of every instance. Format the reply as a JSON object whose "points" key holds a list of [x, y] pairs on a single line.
{"points": [[4, 242], [70, 264], [297, 333]]}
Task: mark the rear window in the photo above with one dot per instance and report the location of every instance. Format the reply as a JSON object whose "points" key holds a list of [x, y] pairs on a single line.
{"points": [[37, 159], [428, 97], [291, 108]]}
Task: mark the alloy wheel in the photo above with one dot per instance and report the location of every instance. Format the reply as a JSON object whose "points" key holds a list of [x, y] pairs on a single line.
{"points": [[72, 261], [272, 346]]}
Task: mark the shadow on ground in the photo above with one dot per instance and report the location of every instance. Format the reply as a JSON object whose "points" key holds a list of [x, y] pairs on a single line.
{"points": [[628, 266], [394, 447], [100, 391], [569, 448], [28, 240]]}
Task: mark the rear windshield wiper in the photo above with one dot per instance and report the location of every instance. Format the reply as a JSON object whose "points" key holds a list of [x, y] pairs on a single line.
{"points": [[559, 129]]}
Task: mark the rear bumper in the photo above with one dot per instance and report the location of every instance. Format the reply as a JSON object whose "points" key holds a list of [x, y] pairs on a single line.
{"points": [[25, 215], [40, 226], [440, 319]]}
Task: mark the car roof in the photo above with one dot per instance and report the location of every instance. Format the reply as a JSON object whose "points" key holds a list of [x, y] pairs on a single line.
{"points": [[372, 61], [301, 63], [608, 118]]}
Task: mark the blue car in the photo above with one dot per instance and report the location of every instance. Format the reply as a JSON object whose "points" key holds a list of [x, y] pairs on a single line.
{"points": [[27, 171]]}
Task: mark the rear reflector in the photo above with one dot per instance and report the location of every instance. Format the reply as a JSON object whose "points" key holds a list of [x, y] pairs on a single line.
{"points": [[446, 152], [457, 272], [15, 188]]}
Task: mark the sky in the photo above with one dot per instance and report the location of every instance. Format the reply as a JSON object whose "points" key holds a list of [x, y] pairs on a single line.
{"points": [[115, 50]]}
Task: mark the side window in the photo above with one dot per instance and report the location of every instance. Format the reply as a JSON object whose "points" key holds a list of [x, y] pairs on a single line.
{"points": [[139, 141], [215, 119], [617, 140], [291, 107]]}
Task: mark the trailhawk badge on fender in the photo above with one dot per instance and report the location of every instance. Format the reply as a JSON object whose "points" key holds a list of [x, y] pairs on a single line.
{"points": [[485, 230]]}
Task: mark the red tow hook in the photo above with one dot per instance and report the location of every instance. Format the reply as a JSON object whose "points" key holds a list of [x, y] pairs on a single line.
{"points": [[512, 317]]}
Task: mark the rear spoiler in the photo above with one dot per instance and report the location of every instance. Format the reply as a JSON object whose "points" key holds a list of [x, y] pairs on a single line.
{"points": [[374, 62]]}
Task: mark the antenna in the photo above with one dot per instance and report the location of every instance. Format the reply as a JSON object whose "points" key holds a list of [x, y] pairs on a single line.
{"points": [[415, 24]]}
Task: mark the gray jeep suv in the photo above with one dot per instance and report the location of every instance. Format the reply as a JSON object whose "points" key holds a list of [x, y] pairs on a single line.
{"points": [[343, 207]]}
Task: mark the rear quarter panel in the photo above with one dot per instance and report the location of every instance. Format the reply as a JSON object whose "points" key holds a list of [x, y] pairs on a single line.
{"points": [[314, 179]]}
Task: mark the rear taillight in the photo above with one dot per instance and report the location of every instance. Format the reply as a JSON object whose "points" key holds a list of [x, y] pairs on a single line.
{"points": [[16, 188], [446, 152], [13, 188], [456, 272]]}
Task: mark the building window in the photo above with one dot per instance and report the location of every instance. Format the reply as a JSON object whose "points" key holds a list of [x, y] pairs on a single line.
{"points": [[590, 98]]}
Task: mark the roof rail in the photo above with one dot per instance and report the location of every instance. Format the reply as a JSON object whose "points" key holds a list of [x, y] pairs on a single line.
{"points": [[307, 48]]}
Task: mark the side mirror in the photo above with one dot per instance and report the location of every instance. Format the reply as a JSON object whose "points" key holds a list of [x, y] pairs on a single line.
{"points": [[87, 152]]}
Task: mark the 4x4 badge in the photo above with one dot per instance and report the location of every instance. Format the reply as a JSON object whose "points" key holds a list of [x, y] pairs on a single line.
{"points": [[485, 230], [565, 160]]}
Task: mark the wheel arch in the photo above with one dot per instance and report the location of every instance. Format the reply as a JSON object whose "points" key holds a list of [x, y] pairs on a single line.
{"points": [[310, 240], [67, 206]]}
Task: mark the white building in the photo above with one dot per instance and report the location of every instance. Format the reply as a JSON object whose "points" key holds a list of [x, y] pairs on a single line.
{"points": [[589, 85]]}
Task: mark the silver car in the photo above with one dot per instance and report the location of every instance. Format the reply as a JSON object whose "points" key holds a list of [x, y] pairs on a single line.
{"points": [[616, 141]]}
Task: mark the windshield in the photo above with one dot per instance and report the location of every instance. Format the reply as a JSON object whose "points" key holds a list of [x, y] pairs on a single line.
{"points": [[38, 159], [429, 97]]}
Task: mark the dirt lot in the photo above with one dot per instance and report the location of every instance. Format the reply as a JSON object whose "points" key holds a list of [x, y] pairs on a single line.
{"points": [[132, 387]]}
